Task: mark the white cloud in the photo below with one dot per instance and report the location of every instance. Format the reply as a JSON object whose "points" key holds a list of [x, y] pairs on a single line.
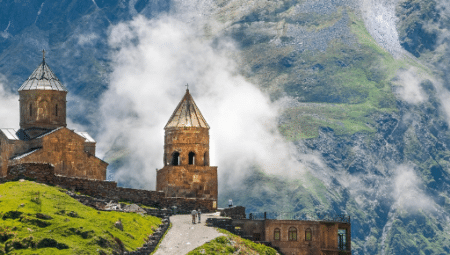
{"points": [[153, 61], [409, 85], [407, 190], [84, 39], [5, 33], [9, 106]]}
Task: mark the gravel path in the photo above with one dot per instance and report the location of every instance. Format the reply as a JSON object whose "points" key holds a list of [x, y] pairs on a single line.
{"points": [[184, 236]]}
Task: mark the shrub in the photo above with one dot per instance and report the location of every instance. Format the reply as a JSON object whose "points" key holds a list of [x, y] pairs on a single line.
{"points": [[29, 242], [43, 216], [16, 244], [5, 234], [47, 242], [80, 232], [40, 223], [12, 215], [73, 214], [61, 246], [102, 242]]}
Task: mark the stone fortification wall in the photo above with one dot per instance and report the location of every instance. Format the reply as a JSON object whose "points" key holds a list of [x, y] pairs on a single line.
{"points": [[235, 212], [45, 173]]}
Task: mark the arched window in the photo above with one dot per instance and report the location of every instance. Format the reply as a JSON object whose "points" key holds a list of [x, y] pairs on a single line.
{"points": [[292, 234], [30, 111], [191, 158], [308, 234], [176, 159], [43, 110], [276, 234], [56, 109], [206, 159]]}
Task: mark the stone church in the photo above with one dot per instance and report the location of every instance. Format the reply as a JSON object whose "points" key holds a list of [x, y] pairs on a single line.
{"points": [[43, 136], [186, 171]]}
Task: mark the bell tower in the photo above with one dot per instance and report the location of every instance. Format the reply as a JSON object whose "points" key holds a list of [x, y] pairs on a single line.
{"points": [[42, 102], [186, 171]]}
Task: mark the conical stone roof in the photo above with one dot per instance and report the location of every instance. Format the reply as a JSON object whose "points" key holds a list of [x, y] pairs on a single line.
{"points": [[43, 79], [187, 114]]}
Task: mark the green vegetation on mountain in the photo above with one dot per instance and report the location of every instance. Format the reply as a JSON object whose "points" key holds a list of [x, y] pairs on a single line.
{"points": [[342, 109], [340, 87], [417, 233], [302, 195], [232, 244], [40, 219]]}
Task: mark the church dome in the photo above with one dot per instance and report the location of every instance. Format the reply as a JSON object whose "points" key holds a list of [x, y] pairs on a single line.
{"points": [[43, 79], [42, 101], [187, 114]]}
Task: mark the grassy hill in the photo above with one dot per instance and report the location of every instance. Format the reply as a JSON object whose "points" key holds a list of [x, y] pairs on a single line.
{"points": [[232, 244], [40, 219]]}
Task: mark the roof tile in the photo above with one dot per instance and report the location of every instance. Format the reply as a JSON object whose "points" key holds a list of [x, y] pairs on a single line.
{"points": [[43, 79], [187, 114]]}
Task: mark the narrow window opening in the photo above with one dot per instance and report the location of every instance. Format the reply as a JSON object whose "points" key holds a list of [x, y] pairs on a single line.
{"points": [[56, 110], [176, 159], [206, 159], [30, 111], [276, 234], [342, 239], [292, 234], [191, 158], [308, 234]]}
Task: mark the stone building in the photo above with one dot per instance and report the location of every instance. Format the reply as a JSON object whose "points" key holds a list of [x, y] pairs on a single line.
{"points": [[295, 237], [43, 136], [186, 171]]}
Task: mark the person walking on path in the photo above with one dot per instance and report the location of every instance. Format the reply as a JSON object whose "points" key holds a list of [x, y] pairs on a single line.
{"points": [[199, 212], [230, 203], [194, 214]]}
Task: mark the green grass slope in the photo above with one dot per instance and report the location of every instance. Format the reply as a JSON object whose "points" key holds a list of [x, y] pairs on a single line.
{"points": [[350, 83], [232, 244], [40, 219]]}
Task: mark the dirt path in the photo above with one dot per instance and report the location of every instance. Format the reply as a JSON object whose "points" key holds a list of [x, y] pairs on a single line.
{"points": [[184, 236]]}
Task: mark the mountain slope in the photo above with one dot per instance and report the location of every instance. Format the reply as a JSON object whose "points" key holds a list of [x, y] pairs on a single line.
{"points": [[369, 126], [36, 218]]}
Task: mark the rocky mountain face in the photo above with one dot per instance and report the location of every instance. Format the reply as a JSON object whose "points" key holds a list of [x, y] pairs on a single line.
{"points": [[365, 87]]}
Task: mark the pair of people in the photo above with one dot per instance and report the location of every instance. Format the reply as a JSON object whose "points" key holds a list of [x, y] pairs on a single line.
{"points": [[196, 214]]}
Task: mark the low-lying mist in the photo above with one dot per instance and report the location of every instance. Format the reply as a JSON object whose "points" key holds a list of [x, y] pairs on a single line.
{"points": [[153, 60]]}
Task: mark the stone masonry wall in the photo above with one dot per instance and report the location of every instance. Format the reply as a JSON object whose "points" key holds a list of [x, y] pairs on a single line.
{"points": [[45, 173], [235, 212], [65, 150], [186, 140], [7, 150], [188, 181], [42, 104]]}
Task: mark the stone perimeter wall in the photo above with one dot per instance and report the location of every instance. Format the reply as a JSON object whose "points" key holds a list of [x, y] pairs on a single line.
{"points": [[45, 173]]}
